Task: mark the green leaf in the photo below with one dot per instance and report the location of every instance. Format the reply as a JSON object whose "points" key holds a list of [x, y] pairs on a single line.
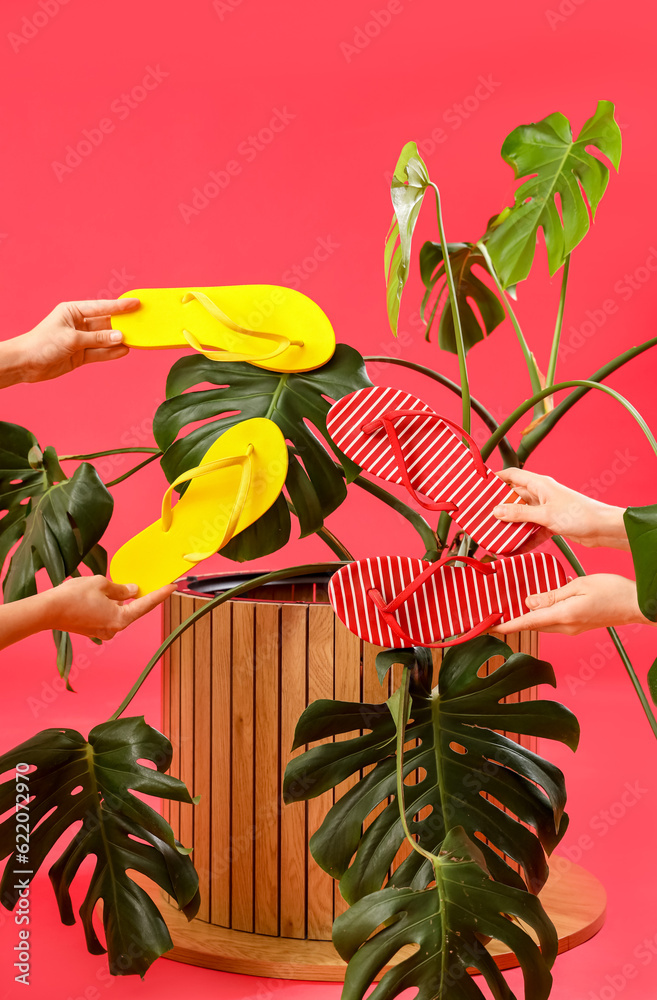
{"points": [[409, 182], [315, 485], [652, 682], [469, 289], [446, 923], [557, 173], [62, 526], [91, 782], [641, 527], [462, 712], [19, 478]]}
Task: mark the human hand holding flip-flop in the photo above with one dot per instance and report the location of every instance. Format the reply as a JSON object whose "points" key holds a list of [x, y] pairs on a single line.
{"points": [[72, 335]]}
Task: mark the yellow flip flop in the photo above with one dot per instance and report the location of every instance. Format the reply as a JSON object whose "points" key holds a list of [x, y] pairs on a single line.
{"points": [[240, 477], [267, 325]]}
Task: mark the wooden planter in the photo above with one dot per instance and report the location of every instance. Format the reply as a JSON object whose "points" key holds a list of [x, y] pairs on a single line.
{"points": [[233, 688]]}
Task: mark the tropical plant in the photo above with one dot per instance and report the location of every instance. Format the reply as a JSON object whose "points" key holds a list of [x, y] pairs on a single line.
{"points": [[458, 886]]}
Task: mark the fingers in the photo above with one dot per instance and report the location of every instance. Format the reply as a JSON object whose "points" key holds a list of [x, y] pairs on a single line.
{"points": [[543, 620], [145, 604], [119, 591], [103, 307], [104, 354], [517, 477], [553, 597], [82, 339], [515, 512]]}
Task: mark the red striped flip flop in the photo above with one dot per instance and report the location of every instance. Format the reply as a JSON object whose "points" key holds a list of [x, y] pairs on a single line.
{"points": [[396, 601], [381, 431]]}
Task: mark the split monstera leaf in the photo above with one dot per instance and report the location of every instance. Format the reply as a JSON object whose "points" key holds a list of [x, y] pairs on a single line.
{"points": [[315, 485], [57, 521], [90, 782], [472, 782], [561, 186]]}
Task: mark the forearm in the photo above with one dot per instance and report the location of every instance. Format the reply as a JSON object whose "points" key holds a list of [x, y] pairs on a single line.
{"points": [[12, 361], [22, 618]]}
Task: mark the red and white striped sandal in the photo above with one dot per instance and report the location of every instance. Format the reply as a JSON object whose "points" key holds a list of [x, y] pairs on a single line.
{"points": [[398, 438], [396, 601]]}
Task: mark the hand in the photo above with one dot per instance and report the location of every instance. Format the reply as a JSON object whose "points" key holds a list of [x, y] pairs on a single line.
{"points": [[596, 601], [73, 334], [561, 511], [93, 606]]}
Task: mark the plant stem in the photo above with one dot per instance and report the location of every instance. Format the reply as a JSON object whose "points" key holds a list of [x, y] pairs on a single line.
{"points": [[242, 588], [456, 317], [565, 548], [327, 536], [112, 451], [274, 399], [336, 546], [556, 339], [535, 436], [136, 468], [421, 526], [400, 723], [507, 452], [528, 403], [529, 358]]}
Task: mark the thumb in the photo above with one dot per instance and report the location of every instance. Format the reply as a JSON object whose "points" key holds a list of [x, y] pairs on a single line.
{"points": [[521, 512]]}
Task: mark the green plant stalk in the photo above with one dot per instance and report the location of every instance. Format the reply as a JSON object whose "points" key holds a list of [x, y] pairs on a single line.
{"points": [[112, 451], [274, 399], [336, 546], [242, 588], [444, 524], [131, 472], [556, 339], [402, 715], [491, 444], [421, 526], [529, 358], [565, 548], [535, 436], [507, 452], [458, 330], [334, 543]]}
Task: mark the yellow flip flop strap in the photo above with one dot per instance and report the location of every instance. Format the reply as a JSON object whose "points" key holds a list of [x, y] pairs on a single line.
{"points": [[238, 506], [282, 342]]}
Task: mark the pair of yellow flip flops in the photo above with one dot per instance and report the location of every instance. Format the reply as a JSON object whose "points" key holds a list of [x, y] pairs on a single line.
{"points": [[243, 472]]}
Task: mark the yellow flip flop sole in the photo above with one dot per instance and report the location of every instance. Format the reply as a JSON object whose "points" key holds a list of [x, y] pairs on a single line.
{"points": [[276, 328], [240, 477]]}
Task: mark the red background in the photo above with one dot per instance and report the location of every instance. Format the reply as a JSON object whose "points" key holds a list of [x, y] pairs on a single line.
{"points": [[224, 71]]}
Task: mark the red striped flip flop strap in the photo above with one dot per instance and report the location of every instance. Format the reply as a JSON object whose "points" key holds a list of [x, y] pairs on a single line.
{"points": [[386, 610], [386, 419]]}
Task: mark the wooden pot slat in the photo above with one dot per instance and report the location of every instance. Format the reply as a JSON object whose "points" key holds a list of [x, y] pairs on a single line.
{"points": [[234, 686]]}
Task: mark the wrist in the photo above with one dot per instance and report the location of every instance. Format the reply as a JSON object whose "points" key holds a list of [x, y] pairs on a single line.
{"points": [[50, 610], [611, 531]]}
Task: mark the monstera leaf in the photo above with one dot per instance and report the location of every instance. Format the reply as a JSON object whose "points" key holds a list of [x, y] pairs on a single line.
{"points": [[446, 923], [58, 521], [314, 484], [557, 172], [641, 527], [469, 288], [460, 757], [409, 183], [90, 781]]}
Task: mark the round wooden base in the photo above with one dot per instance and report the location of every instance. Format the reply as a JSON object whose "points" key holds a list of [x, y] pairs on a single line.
{"points": [[574, 899]]}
